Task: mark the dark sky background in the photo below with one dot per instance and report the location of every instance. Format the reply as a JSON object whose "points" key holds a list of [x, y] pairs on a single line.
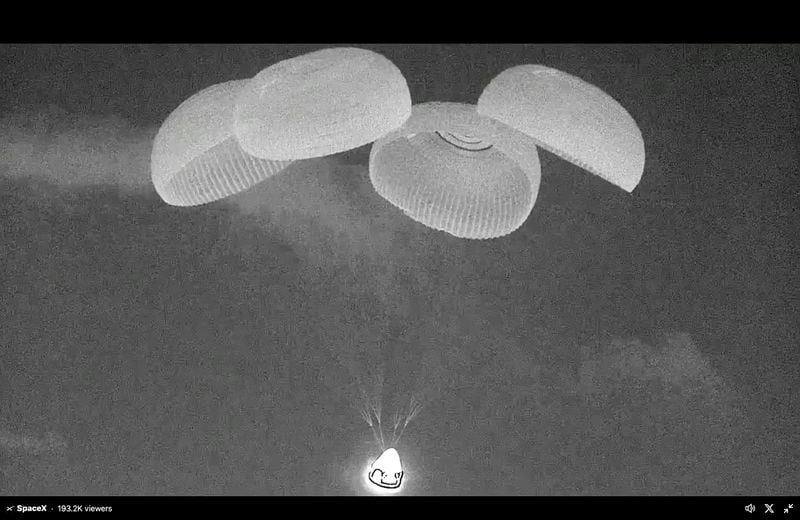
{"points": [[616, 343]]}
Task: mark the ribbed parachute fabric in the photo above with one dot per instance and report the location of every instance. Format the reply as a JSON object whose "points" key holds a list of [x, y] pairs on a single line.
{"points": [[321, 103], [469, 170], [196, 159], [454, 170], [570, 118]]}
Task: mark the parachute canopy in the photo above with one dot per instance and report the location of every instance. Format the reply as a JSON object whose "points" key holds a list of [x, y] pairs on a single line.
{"points": [[321, 103], [452, 169], [230, 136], [196, 159], [569, 117], [470, 170]]}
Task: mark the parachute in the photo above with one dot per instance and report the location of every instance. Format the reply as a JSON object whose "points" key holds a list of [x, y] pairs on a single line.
{"points": [[321, 103], [454, 170], [570, 118], [196, 159], [231, 136], [471, 171], [474, 172]]}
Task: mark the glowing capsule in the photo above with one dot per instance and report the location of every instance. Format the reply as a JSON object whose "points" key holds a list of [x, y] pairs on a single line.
{"points": [[569, 117], [195, 158], [454, 170], [321, 103], [386, 471]]}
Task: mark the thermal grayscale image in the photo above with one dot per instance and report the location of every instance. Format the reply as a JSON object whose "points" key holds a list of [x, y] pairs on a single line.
{"points": [[399, 269]]}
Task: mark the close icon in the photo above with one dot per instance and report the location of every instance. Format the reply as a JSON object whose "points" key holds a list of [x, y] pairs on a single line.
{"points": [[769, 508], [750, 508]]}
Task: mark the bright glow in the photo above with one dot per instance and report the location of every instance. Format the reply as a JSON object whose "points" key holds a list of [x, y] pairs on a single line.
{"points": [[386, 472]]}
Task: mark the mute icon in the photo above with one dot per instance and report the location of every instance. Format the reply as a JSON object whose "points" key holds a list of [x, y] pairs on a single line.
{"points": [[750, 508]]}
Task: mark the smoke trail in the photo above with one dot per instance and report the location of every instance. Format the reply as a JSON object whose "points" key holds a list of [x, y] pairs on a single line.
{"points": [[72, 150]]}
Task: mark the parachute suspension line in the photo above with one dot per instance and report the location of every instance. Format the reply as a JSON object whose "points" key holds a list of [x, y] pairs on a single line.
{"points": [[376, 435], [397, 419], [376, 411], [383, 443], [380, 427], [414, 407], [366, 415], [402, 430], [370, 410], [370, 406]]}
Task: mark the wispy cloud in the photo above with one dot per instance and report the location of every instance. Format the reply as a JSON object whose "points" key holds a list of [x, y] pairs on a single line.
{"points": [[74, 150], [324, 208], [329, 213]]}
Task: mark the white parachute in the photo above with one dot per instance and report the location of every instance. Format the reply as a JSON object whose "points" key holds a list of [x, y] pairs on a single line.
{"points": [[471, 171], [231, 136], [570, 118], [454, 170], [321, 103], [196, 159]]}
